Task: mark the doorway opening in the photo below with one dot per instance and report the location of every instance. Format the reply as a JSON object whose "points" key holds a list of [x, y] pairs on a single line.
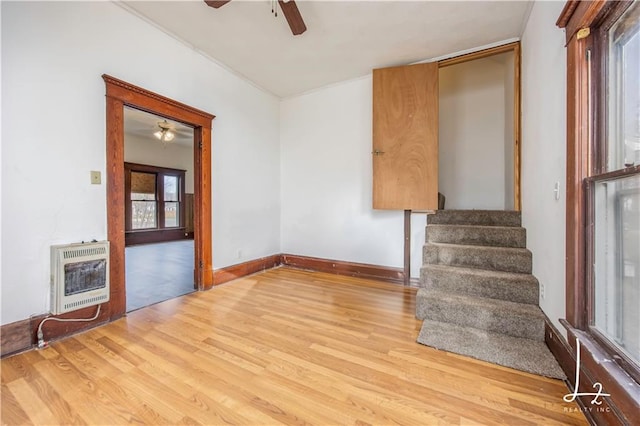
{"points": [[476, 134], [120, 94], [479, 129], [159, 231]]}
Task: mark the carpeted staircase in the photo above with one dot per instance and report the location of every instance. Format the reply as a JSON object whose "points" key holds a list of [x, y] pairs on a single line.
{"points": [[477, 296]]}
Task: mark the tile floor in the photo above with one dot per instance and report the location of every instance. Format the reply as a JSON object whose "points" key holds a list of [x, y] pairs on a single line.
{"points": [[157, 272]]}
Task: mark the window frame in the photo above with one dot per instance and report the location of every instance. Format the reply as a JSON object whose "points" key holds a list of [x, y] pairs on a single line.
{"points": [[610, 348], [599, 61], [598, 44], [584, 23], [160, 232], [131, 201]]}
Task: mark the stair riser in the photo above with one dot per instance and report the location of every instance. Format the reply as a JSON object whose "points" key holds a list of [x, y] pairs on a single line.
{"points": [[514, 260], [475, 217], [480, 236], [523, 290], [528, 355], [514, 324]]}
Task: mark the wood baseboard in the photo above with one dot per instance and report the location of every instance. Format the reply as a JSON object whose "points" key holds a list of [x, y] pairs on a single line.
{"points": [[364, 270], [240, 270], [21, 335], [560, 349], [614, 409], [55, 330], [15, 337]]}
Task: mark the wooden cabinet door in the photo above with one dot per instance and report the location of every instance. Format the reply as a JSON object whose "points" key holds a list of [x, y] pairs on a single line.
{"points": [[405, 137]]}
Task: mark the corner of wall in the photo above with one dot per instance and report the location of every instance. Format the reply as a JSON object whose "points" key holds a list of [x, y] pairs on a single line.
{"points": [[543, 73]]}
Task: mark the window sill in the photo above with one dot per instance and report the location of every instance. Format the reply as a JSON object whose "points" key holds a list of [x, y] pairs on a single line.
{"points": [[597, 366], [142, 231], [149, 236]]}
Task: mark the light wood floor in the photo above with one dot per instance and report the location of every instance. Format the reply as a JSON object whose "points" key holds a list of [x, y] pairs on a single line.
{"points": [[284, 346]]}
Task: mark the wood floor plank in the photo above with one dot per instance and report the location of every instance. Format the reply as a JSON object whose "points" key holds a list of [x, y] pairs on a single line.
{"points": [[155, 394], [283, 346], [369, 407], [12, 412], [364, 380], [131, 402], [30, 402], [84, 395], [190, 397], [116, 354], [21, 366], [60, 408]]}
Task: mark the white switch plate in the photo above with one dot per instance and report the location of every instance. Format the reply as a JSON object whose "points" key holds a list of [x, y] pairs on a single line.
{"points": [[96, 178]]}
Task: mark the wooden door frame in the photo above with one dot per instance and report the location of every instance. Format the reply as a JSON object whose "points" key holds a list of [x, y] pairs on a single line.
{"points": [[515, 48], [118, 95]]}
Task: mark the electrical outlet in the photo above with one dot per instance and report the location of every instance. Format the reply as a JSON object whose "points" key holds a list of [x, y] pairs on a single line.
{"points": [[239, 253], [96, 178], [542, 291]]}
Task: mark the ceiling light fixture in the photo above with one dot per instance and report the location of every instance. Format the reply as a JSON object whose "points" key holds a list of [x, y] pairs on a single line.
{"points": [[164, 134]]}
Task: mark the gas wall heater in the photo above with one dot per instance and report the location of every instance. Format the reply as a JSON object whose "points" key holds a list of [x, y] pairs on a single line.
{"points": [[79, 276]]}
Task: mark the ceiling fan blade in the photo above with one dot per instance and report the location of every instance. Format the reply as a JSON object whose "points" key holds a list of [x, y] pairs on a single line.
{"points": [[216, 4], [291, 12]]}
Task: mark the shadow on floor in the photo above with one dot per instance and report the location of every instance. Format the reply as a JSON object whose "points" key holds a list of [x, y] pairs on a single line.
{"points": [[158, 272]]}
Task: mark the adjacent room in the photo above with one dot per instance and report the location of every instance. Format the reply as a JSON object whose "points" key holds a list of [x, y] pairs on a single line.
{"points": [[159, 231], [320, 212]]}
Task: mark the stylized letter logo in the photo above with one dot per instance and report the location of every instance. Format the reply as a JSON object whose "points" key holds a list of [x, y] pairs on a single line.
{"points": [[570, 397]]}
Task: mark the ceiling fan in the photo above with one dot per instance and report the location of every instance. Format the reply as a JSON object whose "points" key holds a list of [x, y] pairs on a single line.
{"points": [[166, 132], [289, 8]]}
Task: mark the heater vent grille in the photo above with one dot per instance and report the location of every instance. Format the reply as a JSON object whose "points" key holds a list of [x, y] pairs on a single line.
{"points": [[86, 302], [79, 276], [73, 253]]}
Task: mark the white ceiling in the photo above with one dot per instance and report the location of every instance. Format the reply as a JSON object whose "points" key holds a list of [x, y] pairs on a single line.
{"points": [[344, 39], [142, 125]]}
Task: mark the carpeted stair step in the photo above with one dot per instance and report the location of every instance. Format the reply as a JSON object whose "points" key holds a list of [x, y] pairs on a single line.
{"points": [[521, 288], [523, 354], [507, 259], [477, 235], [475, 217], [499, 316]]}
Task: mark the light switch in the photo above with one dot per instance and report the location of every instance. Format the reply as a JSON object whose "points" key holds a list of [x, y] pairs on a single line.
{"points": [[96, 179]]}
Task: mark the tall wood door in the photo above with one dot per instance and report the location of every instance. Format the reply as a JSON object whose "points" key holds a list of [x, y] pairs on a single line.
{"points": [[405, 137]]}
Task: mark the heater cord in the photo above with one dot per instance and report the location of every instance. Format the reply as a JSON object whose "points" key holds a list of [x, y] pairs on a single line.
{"points": [[42, 343]]}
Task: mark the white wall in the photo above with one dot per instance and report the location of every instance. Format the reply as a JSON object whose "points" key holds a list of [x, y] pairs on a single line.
{"points": [[418, 224], [151, 151], [544, 151], [0, 163], [472, 113], [53, 134], [326, 174], [509, 142]]}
